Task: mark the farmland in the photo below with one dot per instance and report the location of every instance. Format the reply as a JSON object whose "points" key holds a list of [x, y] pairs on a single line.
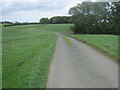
{"points": [[60, 44], [61, 28], [28, 51], [27, 54]]}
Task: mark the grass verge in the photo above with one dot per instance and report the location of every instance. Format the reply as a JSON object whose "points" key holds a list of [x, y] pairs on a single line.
{"points": [[67, 41], [107, 44], [27, 53]]}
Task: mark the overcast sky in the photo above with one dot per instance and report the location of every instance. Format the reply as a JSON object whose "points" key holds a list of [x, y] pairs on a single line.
{"points": [[33, 10]]}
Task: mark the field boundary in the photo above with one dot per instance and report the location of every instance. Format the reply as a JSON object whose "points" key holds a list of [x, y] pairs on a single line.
{"points": [[51, 60], [19, 24]]}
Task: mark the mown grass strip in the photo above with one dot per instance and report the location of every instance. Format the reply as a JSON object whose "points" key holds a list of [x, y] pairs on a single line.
{"points": [[67, 41]]}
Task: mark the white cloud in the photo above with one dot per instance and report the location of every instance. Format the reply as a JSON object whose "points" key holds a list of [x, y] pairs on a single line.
{"points": [[72, 4]]}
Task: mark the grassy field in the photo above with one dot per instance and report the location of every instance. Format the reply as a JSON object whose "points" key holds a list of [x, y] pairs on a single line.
{"points": [[61, 28], [27, 53], [108, 44]]}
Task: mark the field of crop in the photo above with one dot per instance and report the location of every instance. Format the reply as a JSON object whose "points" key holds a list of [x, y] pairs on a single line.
{"points": [[27, 53], [107, 44]]}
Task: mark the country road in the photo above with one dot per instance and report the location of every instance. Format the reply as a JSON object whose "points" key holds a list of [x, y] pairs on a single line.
{"points": [[80, 66]]}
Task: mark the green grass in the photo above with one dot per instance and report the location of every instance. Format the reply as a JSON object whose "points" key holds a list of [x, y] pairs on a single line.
{"points": [[67, 41], [1, 25], [108, 44], [27, 53], [61, 28]]}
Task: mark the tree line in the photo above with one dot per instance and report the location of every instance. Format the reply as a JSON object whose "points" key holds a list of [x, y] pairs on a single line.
{"points": [[56, 20], [96, 18], [8, 23]]}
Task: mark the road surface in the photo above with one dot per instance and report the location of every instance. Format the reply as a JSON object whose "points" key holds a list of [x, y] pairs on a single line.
{"points": [[80, 66]]}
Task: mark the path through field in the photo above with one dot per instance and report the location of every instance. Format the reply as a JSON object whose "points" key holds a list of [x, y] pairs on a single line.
{"points": [[80, 66]]}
